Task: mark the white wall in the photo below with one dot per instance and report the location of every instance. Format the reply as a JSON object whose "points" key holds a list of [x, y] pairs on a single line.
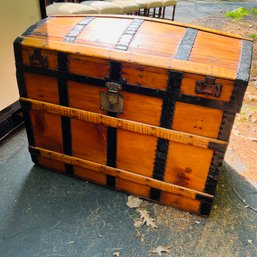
{"points": [[15, 17]]}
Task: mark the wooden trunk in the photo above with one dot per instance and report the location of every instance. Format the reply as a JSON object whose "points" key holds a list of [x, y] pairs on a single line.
{"points": [[135, 104]]}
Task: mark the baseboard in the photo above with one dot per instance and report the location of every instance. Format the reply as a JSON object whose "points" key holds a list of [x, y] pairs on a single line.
{"points": [[11, 119]]}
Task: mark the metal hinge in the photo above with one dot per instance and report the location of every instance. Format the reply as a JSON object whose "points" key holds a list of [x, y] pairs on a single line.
{"points": [[208, 87]]}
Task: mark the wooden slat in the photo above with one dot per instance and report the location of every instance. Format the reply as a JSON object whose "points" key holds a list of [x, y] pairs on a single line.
{"points": [[141, 108], [163, 21], [49, 55], [189, 82], [41, 88], [197, 120], [145, 76], [58, 28], [136, 58], [96, 31], [141, 128], [140, 179]]}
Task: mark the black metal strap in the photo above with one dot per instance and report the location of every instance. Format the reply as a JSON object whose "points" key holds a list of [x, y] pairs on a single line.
{"points": [[168, 105], [245, 62], [22, 90], [77, 29], [243, 73], [212, 179], [64, 100], [32, 28], [174, 91], [114, 75], [226, 126], [128, 35], [186, 44]]}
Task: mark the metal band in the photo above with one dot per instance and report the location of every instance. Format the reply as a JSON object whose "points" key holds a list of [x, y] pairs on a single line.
{"points": [[128, 35], [226, 126], [111, 153], [212, 179], [115, 76], [215, 104], [64, 100], [245, 62], [214, 171], [77, 29], [22, 91], [168, 106], [243, 74], [186, 44], [238, 92], [31, 29], [26, 107], [205, 209]]}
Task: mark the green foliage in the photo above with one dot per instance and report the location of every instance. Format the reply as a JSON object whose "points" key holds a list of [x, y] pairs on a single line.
{"points": [[254, 11], [252, 35], [238, 13]]}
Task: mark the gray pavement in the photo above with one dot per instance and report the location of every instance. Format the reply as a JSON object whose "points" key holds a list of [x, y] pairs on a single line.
{"points": [[188, 11], [44, 214]]}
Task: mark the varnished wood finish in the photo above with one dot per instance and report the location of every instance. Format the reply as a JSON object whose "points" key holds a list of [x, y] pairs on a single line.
{"points": [[47, 130], [137, 127], [189, 82], [87, 66], [85, 97], [140, 108], [164, 143], [42, 88], [145, 76], [51, 57], [90, 145], [187, 166], [146, 48], [47, 163], [130, 176], [199, 120]]}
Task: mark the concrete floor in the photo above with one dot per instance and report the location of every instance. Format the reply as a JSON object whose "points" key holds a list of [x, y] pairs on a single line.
{"points": [[44, 214], [47, 214]]}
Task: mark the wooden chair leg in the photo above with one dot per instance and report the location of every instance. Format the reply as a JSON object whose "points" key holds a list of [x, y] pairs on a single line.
{"points": [[163, 12], [160, 12], [173, 13]]}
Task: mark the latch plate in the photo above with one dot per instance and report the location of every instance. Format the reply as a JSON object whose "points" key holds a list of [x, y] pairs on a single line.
{"points": [[208, 87], [112, 101], [38, 60]]}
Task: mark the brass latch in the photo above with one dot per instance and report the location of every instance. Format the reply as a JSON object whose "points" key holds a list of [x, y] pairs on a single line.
{"points": [[112, 101]]}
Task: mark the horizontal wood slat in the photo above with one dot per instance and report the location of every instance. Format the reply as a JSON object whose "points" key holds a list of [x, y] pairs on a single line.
{"points": [[140, 179], [137, 127]]}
